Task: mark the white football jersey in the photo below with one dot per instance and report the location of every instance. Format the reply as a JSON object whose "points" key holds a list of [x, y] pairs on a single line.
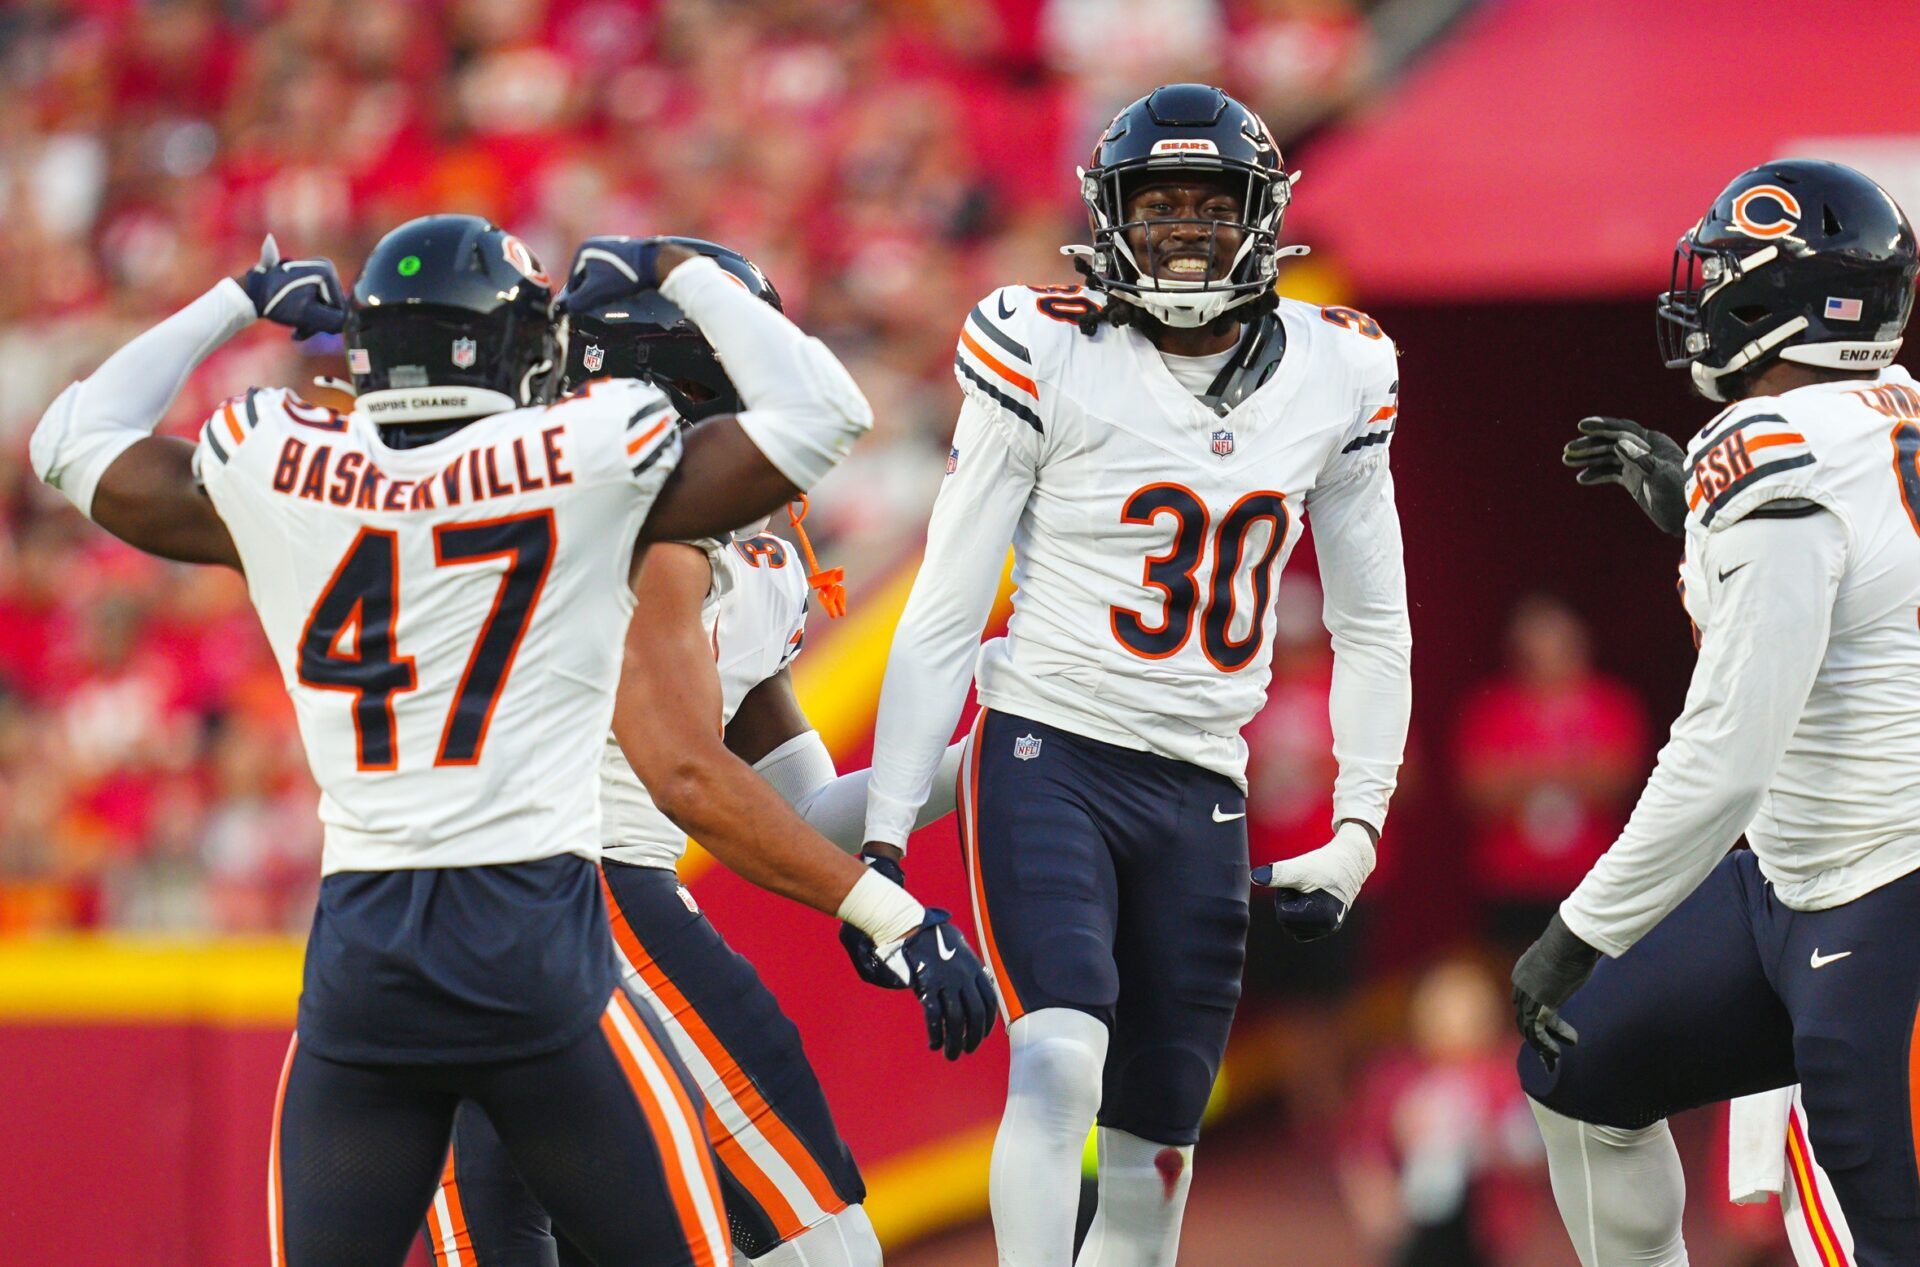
{"points": [[448, 619], [757, 623], [1842, 815], [1149, 549]]}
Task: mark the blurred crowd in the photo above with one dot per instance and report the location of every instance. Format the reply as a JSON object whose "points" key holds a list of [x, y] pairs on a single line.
{"points": [[884, 162]]}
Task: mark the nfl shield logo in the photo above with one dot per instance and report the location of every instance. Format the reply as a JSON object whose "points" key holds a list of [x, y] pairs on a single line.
{"points": [[464, 353], [1026, 748], [595, 357], [953, 460], [1222, 443]]}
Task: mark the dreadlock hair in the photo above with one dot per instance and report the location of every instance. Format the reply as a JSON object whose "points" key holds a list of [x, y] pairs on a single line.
{"points": [[1118, 312]]}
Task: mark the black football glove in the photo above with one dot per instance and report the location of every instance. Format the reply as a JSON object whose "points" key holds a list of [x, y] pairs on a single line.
{"points": [[1543, 980], [1647, 463], [303, 294], [860, 948], [608, 268], [955, 991]]}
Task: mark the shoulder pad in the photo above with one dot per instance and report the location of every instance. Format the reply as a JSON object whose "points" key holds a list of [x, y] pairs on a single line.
{"points": [[236, 418], [995, 357], [1750, 455]]}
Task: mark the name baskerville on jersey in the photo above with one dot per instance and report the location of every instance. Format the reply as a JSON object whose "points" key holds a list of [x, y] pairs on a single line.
{"points": [[481, 474]]}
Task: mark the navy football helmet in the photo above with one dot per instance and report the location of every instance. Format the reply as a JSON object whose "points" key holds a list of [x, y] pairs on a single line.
{"points": [[647, 336], [1803, 260], [452, 302], [1190, 131]]}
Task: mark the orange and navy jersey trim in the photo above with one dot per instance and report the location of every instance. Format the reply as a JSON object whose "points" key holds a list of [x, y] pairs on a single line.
{"points": [[991, 361], [1380, 425], [231, 424], [968, 817], [1729, 461]]}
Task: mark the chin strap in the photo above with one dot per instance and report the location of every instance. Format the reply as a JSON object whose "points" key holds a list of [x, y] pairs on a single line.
{"points": [[831, 582]]}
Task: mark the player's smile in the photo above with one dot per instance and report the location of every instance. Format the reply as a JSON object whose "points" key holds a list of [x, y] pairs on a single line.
{"points": [[1185, 232]]}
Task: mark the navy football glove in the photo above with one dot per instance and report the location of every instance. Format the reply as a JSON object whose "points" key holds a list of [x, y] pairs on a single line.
{"points": [[303, 294], [954, 989], [1648, 464], [608, 268], [860, 948], [1313, 892], [1544, 979]]}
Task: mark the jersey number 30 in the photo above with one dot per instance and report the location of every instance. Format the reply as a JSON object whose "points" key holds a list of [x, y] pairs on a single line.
{"points": [[363, 599], [1174, 575]]}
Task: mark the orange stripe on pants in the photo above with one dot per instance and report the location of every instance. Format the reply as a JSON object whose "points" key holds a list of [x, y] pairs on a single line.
{"points": [[674, 1162], [786, 1221], [276, 1202], [968, 795], [450, 1229]]}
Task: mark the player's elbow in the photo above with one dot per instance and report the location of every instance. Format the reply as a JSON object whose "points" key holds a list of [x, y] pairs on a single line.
{"points": [[680, 779]]}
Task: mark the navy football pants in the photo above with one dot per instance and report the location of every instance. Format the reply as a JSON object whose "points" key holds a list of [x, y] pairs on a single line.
{"points": [[1113, 882], [606, 1131], [1735, 993]]}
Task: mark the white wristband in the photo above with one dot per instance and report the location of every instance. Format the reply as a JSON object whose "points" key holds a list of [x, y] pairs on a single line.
{"points": [[882, 910]]}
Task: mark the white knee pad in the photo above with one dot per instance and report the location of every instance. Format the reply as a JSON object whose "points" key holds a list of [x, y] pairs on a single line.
{"points": [[1053, 1094], [1621, 1193], [845, 1240]]}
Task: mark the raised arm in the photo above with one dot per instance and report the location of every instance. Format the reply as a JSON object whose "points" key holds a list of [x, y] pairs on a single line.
{"points": [[802, 409], [95, 443]]}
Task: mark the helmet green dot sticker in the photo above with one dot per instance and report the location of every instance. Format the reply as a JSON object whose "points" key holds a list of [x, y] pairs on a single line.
{"points": [[409, 265]]}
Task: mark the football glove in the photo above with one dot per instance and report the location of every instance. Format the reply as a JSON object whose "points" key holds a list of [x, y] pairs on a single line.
{"points": [[1543, 980], [608, 268], [1312, 893], [955, 992], [1647, 463], [303, 294], [860, 948]]}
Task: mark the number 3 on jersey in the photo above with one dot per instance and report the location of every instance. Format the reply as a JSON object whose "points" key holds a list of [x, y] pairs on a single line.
{"points": [[363, 600], [1174, 575]]}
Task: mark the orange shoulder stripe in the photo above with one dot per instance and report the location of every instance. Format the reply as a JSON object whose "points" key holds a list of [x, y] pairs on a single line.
{"points": [[987, 358]]}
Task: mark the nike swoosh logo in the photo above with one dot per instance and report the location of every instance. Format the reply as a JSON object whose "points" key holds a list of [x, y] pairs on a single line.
{"points": [[1000, 304], [1726, 572], [1820, 961], [946, 951], [1218, 817]]}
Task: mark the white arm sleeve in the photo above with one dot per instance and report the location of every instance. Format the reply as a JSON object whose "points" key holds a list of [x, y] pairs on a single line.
{"points": [[801, 770], [938, 639], [1759, 656], [1356, 537], [98, 418], [802, 408]]}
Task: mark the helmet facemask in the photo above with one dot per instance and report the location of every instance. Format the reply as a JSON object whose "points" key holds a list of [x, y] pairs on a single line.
{"points": [[1703, 276], [1115, 266]]}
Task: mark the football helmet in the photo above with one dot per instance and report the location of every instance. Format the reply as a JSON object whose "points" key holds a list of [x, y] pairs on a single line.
{"points": [[448, 320], [647, 336], [1799, 259], [1181, 130]]}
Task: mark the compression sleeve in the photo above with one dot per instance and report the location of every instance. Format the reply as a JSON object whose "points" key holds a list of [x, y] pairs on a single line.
{"points": [[801, 770], [938, 639], [98, 418], [802, 408], [1772, 610], [1356, 537]]}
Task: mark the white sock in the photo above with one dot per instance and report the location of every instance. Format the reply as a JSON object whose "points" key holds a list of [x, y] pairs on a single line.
{"points": [[1620, 1193], [845, 1240], [1143, 1194], [1053, 1093]]}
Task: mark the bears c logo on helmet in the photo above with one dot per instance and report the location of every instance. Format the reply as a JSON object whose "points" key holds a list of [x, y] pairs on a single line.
{"points": [[1746, 215], [521, 257]]}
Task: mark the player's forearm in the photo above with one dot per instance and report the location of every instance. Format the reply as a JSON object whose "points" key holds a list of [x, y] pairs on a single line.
{"points": [[95, 420], [1370, 703], [1757, 665], [717, 799], [835, 805], [802, 408]]}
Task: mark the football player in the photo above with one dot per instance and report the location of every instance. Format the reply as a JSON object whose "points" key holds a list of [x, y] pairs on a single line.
{"points": [[1678, 974], [443, 575], [726, 619], [1152, 444]]}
